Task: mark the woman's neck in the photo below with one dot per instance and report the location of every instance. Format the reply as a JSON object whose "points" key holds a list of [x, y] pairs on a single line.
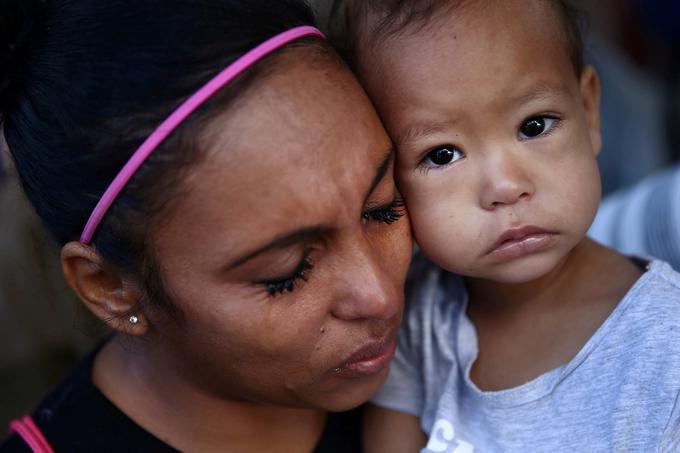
{"points": [[192, 420]]}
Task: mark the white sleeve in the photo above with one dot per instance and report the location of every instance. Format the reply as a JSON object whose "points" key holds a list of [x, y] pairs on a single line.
{"points": [[427, 342], [403, 389], [670, 439], [643, 220]]}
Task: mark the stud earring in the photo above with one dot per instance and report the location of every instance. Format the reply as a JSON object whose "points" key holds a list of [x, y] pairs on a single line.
{"points": [[133, 319]]}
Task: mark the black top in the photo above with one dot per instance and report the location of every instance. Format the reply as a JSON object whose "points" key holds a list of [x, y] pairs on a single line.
{"points": [[77, 417]]}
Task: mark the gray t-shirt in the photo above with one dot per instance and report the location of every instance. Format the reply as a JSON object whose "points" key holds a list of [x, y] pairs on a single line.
{"points": [[618, 394]]}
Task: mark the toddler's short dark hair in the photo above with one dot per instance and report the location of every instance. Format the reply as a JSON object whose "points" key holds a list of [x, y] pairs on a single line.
{"points": [[348, 22]]}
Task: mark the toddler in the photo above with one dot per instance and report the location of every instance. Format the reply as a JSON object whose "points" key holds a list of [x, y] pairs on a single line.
{"points": [[551, 342]]}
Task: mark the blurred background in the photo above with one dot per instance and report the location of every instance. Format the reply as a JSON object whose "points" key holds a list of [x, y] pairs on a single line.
{"points": [[635, 45]]}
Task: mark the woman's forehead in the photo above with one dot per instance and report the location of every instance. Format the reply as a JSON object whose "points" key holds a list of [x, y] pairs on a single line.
{"points": [[307, 100], [302, 147]]}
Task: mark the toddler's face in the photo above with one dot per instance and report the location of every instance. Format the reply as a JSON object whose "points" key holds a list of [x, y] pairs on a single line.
{"points": [[496, 137]]}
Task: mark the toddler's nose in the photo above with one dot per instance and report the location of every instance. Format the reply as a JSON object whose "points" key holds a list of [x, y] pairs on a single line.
{"points": [[505, 183]]}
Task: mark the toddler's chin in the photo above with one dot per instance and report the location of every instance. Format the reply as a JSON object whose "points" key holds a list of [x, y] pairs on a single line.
{"points": [[524, 270]]}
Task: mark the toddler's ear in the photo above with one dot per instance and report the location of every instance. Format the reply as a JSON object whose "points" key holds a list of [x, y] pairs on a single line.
{"points": [[590, 93]]}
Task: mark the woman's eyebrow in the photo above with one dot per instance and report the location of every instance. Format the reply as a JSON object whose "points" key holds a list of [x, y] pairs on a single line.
{"points": [[304, 234], [381, 171], [280, 242]]}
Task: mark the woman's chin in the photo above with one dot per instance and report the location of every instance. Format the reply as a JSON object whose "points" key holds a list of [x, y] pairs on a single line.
{"points": [[352, 392]]}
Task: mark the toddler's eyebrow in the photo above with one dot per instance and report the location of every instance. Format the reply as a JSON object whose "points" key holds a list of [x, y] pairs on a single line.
{"points": [[534, 92], [418, 131]]}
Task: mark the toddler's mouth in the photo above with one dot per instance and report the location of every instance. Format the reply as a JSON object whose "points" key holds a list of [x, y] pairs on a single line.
{"points": [[521, 241]]}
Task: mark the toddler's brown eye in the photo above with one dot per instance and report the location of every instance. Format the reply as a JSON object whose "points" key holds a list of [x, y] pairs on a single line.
{"points": [[533, 127], [536, 126], [443, 155]]}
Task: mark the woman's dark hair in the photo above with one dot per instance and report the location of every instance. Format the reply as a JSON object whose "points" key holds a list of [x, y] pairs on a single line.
{"points": [[348, 25], [84, 82]]}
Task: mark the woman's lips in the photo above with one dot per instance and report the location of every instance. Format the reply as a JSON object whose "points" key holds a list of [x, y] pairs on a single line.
{"points": [[522, 241], [370, 359]]}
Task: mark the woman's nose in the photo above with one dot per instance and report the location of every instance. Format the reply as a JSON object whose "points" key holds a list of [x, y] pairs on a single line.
{"points": [[504, 182], [369, 290]]}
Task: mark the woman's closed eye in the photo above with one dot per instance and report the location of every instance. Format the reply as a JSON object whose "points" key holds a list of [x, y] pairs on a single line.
{"points": [[388, 214], [537, 126], [289, 282]]}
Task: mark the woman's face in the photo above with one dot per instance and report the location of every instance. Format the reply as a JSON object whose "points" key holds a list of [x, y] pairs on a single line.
{"points": [[285, 255]]}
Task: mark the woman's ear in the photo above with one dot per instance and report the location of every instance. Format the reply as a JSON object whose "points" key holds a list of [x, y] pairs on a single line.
{"points": [[112, 296], [590, 93]]}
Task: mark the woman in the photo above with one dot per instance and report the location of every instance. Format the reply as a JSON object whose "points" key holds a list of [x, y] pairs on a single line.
{"points": [[252, 265]]}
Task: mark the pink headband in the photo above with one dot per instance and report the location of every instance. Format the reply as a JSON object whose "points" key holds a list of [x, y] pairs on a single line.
{"points": [[182, 112]]}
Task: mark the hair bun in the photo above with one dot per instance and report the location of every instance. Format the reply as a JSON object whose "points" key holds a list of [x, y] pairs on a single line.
{"points": [[18, 20]]}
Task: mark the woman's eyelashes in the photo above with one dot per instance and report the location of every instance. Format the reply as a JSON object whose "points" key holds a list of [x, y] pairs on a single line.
{"points": [[387, 214], [288, 283], [537, 126]]}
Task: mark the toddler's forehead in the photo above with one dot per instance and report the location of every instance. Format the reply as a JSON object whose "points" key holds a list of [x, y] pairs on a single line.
{"points": [[475, 54], [448, 20]]}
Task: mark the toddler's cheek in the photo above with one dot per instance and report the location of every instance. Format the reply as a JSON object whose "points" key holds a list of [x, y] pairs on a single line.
{"points": [[436, 216], [437, 234]]}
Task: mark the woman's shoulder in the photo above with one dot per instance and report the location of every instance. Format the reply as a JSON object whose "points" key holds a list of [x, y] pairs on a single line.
{"points": [[77, 417]]}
